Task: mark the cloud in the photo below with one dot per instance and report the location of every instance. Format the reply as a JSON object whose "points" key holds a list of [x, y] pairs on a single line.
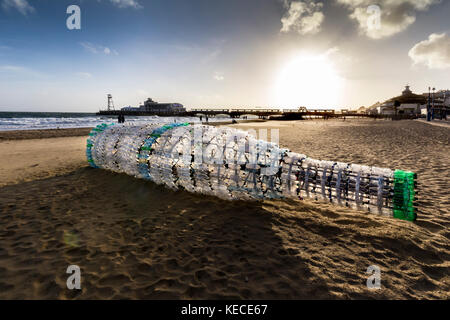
{"points": [[143, 93], [203, 54], [20, 5], [95, 49], [11, 68], [127, 4], [89, 47], [434, 52], [304, 17], [395, 16], [85, 75], [218, 76], [332, 51], [21, 71]]}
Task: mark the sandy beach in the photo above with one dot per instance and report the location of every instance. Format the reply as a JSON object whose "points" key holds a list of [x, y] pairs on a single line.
{"points": [[135, 240]]}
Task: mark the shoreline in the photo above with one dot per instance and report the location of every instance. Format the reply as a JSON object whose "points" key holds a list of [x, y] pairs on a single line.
{"points": [[43, 133], [77, 132], [84, 131]]}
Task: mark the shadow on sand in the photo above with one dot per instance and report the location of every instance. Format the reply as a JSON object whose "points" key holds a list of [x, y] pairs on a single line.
{"points": [[135, 240]]}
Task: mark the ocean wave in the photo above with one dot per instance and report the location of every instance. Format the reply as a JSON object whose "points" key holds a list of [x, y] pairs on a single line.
{"points": [[34, 123]]}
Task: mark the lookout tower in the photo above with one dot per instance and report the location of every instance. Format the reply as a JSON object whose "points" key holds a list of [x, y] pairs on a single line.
{"points": [[110, 103]]}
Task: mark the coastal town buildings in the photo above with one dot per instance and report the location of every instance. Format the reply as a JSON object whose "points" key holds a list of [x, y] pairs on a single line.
{"points": [[439, 101], [362, 110], [408, 103]]}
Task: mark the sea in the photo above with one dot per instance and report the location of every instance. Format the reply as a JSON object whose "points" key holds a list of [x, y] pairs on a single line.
{"points": [[62, 120]]}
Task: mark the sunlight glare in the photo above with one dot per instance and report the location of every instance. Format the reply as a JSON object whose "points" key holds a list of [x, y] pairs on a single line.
{"points": [[309, 81]]}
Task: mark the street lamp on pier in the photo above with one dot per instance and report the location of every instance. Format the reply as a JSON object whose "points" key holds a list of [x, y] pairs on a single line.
{"points": [[432, 109], [429, 105]]}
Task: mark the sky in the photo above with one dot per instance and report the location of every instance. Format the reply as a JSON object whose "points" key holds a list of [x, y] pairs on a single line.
{"points": [[334, 54]]}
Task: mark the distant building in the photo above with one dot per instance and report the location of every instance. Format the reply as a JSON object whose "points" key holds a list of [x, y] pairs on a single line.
{"points": [[362, 110], [440, 101], [373, 109], [441, 94], [151, 106], [442, 97], [408, 103], [130, 108]]}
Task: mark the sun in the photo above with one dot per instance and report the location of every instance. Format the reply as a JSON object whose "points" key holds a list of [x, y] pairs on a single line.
{"points": [[309, 81]]}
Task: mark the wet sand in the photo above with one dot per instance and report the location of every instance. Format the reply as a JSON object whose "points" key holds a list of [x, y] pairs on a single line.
{"points": [[43, 134], [135, 240]]}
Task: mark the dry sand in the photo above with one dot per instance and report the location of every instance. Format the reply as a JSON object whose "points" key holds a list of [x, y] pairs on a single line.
{"points": [[28, 160], [133, 239]]}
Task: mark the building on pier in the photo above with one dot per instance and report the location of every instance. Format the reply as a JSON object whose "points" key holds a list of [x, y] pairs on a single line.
{"points": [[151, 106]]}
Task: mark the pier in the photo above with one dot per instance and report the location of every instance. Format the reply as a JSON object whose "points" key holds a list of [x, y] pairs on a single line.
{"points": [[268, 114]]}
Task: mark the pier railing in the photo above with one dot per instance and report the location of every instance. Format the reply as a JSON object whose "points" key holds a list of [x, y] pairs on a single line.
{"points": [[290, 114]]}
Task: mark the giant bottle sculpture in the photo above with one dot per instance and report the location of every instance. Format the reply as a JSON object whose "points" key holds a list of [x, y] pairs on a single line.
{"points": [[232, 164]]}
